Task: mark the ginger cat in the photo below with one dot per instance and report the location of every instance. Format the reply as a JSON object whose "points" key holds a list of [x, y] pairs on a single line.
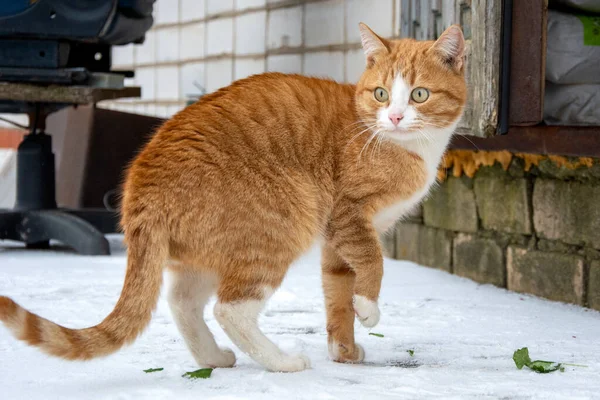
{"points": [[233, 189]]}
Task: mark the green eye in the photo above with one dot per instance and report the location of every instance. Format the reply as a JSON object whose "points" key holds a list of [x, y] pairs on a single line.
{"points": [[381, 95], [420, 95]]}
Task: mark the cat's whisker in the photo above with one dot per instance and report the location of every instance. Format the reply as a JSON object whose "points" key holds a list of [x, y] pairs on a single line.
{"points": [[467, 138], [367, 144], [368, 128]]}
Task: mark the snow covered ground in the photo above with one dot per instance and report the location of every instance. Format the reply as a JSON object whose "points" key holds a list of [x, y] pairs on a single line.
{"points": [[463, 336]]}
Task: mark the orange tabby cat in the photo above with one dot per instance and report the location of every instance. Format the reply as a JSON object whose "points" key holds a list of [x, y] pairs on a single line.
{"points": [[233, 189]]}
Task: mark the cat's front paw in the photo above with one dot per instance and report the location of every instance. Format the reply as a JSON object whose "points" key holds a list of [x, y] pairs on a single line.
{"points": [[291, 363], [342, 353], [367, 311]]}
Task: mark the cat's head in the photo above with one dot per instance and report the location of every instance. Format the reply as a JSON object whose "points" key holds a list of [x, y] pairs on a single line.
{"points": [[412, 89]]}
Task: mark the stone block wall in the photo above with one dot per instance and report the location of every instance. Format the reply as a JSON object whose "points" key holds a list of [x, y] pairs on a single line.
{"points": [[528, 223]]}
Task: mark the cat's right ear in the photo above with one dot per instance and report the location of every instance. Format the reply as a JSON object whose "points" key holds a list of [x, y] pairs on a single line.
{"points": [[373, 45]]}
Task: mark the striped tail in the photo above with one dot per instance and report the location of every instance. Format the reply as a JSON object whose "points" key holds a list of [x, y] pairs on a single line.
{"points": [[130, 316]]}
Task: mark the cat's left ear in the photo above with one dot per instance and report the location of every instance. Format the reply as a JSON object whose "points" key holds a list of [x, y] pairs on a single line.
{"points": [[372, 44], [450, 46]]}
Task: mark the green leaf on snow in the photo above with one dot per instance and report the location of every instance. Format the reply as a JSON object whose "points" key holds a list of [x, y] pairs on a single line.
{"points": [[203, 373], [543, 367], [153, 370], [411, 352], [376, 334], [522, 359]]}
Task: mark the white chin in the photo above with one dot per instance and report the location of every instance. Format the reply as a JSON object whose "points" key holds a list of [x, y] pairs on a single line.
{"points": [[400, 136]]}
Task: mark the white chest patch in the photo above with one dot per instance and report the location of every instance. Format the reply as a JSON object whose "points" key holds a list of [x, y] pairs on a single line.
{"points": [[387, 217]]}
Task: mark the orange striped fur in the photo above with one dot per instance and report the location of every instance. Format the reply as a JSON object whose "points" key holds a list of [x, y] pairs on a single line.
{"points": [[240, 184]]}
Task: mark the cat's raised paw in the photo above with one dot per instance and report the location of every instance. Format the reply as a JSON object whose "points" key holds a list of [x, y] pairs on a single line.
{"points": [[291, 363], [367, 311]]}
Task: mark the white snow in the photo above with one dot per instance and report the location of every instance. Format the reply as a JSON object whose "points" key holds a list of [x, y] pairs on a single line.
{"points": [[463, 336]]}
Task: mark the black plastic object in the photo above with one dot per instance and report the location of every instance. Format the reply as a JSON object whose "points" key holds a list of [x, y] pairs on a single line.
{"points": [[35, 173], [36, 220], [37, 227], [41, 53], [112, 22]]}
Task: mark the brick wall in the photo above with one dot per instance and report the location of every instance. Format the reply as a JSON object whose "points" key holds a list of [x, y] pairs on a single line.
{"points": [[210, 43], [525, 222]]}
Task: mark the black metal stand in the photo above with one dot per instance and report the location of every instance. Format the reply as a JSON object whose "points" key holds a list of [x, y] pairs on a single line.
{"points": [[36, 219]]}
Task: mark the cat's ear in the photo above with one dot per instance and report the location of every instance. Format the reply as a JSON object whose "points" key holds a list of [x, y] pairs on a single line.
{"points": [[372, 44], [450, 47]]}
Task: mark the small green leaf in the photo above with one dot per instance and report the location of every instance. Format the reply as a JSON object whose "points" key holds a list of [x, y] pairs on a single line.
{"points": [[411, 352], [562, 369], [543, 367], [203, 373], [149, 370], [375, 334], [521, 357]]}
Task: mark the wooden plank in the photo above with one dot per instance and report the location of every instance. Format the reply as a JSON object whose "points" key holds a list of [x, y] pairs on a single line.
{"points": [[63, 94], [573, 141], [484, 69], [528, 62]]}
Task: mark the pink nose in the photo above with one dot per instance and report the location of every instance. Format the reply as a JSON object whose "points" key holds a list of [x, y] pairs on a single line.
{"points": [[396, 118]]}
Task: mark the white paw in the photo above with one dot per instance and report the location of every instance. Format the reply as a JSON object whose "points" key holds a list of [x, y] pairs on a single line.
{"points": [[367, 311], [291, 363], [335, 353], [224, 359]]}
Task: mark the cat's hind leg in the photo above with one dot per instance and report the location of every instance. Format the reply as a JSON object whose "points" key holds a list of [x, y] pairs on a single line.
{"points": [[188, 295], [240, 303]]}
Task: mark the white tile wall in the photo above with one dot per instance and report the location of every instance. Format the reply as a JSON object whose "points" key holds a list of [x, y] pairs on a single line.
{"points": [[122, 56], [250, 30], [166, 12], [146, 79], [287, 63], [285, 28], [219, 73], [377, 14], [324, 23], [18, 118], [219, 6], [192, 74], [314, 24], [191, 41], [167, 44], [355, 65], [151, 109], [324, 65], [245, 4], [248, 66], [167, 83], [146, 52], [174, 109], [190, 10], [219, 36], [162, 111]]}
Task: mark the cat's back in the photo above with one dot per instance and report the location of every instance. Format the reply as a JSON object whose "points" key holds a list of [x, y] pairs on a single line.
{"points": [[274, 132], [268, 99], [268, 118]]}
